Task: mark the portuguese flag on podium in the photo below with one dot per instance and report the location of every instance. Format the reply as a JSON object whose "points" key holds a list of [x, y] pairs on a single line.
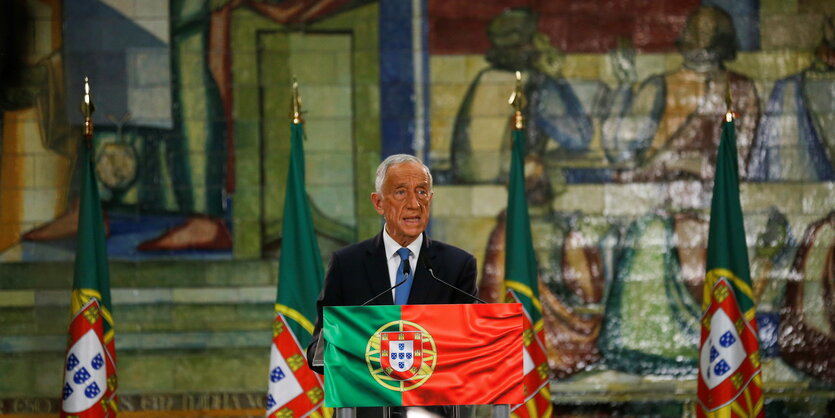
{"points": [[89, 388], [412, 355], [730, 381]]}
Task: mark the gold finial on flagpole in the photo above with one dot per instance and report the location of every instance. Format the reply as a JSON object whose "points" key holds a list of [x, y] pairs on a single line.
{"points": [[517, 100], [87, 109], [296, 104], [729, 102]]}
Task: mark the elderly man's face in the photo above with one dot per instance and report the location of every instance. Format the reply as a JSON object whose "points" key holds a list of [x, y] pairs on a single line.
{"points": [[404, 201]]}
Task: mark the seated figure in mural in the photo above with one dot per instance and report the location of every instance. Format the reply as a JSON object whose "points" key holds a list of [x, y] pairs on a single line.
{"points": [[38, 143], [796, 141], [770, 269], [571, 280], [667, 129], [558, 111], [807, 320]]}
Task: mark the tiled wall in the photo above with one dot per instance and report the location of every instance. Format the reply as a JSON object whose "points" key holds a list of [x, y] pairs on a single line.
{"points": [[188, 318]]}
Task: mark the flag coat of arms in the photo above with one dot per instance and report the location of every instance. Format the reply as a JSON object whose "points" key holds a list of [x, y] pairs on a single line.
{"points": [[730, 381], [89, 388], [294, 389], [412, 355]]}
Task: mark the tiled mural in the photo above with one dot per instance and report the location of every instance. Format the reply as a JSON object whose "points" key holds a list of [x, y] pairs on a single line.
{"points": [[624, 102]]}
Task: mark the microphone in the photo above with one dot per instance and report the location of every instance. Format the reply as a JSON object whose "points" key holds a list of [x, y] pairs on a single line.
{"points": [[432, 273], [407, 270]]}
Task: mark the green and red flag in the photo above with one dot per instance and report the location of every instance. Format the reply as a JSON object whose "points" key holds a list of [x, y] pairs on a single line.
{"points": [[535, 368], [730, 381], [412, 355], [300, 272], [521, 269], [89, 388], [294, 389], [522, 277]]}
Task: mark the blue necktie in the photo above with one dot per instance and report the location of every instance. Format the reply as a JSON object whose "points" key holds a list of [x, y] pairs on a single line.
{"points": [[401, 293]]}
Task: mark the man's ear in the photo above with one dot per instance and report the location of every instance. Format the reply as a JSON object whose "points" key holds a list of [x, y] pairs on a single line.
{"points": [[377, 201]]}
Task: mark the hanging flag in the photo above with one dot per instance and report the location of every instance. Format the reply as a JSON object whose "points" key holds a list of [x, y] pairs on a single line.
{"points": [[294, 389], [89, 388], [535, 369], [412, 355], [522, 273], [300, 272], [730, 381], [521, 269]]}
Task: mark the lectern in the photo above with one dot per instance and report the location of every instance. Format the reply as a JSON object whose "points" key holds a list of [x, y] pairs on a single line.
{"points": [[421, 355]]}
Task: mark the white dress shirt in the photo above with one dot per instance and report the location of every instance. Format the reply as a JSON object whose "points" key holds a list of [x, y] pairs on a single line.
{"points": [[393, 260]]}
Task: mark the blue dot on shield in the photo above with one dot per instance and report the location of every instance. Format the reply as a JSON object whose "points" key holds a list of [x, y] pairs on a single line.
{"points": [[713, 353], [270, 402], [81, 376], [98, 361], [721, 368], [727, 339], [72, 361], [67, 391], [92, 390], [276, 375]]}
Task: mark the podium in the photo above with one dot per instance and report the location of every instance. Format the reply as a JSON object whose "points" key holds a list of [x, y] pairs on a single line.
{"points": [[422, 355]]}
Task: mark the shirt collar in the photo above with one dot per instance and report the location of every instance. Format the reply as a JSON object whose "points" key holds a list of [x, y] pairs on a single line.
{"points": [[392, 246]]}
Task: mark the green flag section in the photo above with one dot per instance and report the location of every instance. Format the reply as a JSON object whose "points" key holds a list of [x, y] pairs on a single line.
{"points": [[414, 355], [300, 272], [89, 388], [730, 381], [521, 271]]}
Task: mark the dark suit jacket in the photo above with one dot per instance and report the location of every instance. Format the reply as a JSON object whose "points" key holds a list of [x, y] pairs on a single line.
{"points": [[359, 272]]}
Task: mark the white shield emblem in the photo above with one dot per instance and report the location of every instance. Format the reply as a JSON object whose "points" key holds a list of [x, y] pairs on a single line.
{"points": [[722, 352]]}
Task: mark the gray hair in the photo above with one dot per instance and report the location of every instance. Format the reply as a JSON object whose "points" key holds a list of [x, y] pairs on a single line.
{"points": [[395, 159]]}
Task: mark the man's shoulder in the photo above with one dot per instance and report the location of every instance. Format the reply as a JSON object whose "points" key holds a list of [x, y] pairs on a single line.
{"points": [[357, 248]]}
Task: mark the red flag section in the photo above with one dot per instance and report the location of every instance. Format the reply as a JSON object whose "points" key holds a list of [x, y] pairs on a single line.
{"points": [[468, 338]]}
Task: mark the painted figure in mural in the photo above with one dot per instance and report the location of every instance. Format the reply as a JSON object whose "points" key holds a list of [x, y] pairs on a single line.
{"points": [[666, 129], [38, 144], [360, 273], [796, 141], [807, 321], [770, 269], [571, 281], [559, 114], [559, 110]]}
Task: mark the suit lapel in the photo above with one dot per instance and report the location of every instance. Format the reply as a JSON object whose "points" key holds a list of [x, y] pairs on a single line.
{"points": [[423, 283], [377, 271]]}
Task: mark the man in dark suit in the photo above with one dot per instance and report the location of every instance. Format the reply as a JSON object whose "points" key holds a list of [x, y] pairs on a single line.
{"points": [[359, 272]]}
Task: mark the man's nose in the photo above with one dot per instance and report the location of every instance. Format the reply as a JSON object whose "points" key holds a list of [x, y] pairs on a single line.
{"points": [[412, 200]]}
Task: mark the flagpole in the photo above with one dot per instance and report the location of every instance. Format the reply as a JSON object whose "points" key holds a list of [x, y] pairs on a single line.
{"points": [[517, 101], [87, 109], [296, 104]]}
